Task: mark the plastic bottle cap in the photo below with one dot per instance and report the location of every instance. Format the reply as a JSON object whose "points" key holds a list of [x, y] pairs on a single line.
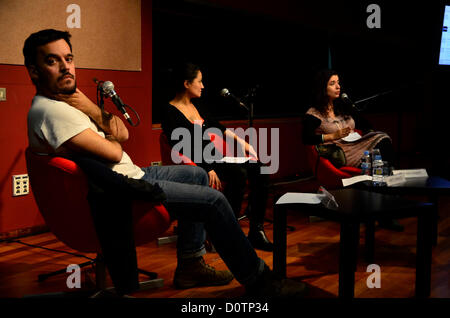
{"points": [[366, 152]]}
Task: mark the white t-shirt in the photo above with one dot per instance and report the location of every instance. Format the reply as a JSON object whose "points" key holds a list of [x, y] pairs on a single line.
{"points": [[51, 123]]}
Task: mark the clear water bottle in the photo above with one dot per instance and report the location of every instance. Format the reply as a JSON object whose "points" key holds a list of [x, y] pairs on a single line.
{"points": [[366, 165], [377, 171], [375, 152]]}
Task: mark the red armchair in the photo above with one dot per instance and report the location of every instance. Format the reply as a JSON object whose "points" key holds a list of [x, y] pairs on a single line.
{"points": [[325, 172], [60, 190]]}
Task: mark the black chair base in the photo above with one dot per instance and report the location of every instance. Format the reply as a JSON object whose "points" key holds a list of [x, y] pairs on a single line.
{"points": [[99, 283]]}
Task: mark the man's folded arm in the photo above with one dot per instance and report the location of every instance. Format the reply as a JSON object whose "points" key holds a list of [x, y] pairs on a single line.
{"points": [[89, 142]]}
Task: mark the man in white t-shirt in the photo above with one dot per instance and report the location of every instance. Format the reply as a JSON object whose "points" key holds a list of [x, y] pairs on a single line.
{"points": [[63, 121]]}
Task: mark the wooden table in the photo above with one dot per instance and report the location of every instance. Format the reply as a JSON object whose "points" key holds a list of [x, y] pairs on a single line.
{"points": [[355, 207], [432, 187]]}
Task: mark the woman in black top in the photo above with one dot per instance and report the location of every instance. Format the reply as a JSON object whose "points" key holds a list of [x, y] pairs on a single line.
{"points": [[181, 112]]}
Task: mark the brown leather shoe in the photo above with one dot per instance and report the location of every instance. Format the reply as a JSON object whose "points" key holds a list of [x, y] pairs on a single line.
{"points": [[195, 272]]}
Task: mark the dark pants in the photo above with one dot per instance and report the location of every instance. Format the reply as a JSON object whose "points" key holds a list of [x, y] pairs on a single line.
{"points": [[198, 207], [235, 177]]}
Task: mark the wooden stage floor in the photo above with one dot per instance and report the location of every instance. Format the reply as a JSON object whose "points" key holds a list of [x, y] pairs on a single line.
{"points": [[312, 257]]}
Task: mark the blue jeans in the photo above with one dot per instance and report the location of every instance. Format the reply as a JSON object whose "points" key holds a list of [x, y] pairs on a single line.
{"points": [[197, 207]]}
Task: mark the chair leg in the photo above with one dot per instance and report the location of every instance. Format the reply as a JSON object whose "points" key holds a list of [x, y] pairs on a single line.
{"points": [[43, 277], [100, 280], [153, 282], [100, 274], [242, 217]]}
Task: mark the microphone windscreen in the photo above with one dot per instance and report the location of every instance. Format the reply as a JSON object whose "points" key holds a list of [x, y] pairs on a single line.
{"points": [[108, 87], [224, 92]]}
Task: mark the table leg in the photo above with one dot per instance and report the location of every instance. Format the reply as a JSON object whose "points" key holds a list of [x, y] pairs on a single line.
{"points": [[349, 241], [279, 240], [424, 252], [370, 242], [435, 220]]}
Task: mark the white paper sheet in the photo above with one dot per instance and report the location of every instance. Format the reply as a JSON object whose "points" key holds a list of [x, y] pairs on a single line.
{"points": [[394, 180], [412, 173], [352, 137], [295, 197], [349, 181], [234, 159]]}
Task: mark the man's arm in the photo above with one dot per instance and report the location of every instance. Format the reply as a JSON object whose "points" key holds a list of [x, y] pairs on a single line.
{"points": [[89, 142], [113, 126]]}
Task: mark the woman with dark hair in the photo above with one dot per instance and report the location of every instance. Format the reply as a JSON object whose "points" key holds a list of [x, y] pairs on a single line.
{"points": [[329, 120], [181, 112]]}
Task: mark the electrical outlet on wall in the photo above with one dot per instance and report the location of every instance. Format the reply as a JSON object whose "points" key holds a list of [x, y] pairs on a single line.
{"points": [[20, 185], [2, 94]]}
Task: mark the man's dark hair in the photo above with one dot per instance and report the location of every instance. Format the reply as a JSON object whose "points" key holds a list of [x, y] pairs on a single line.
{"points": [[41, 38]]}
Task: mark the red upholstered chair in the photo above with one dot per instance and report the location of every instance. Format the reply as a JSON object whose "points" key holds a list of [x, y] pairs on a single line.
{"points": [[60, 190], [325, 172]]}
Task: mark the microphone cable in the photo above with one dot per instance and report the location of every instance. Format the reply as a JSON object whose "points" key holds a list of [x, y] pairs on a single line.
{"points": [[45, 248]]}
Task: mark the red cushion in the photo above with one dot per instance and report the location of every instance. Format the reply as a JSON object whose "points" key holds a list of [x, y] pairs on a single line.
{"points": [[326, 173]]}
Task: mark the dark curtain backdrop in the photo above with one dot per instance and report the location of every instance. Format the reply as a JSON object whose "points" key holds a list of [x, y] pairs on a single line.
{"points": [[240, 51]]}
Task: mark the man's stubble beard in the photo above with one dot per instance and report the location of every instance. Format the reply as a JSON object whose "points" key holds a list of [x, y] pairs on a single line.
{"points": [[69, 90]]}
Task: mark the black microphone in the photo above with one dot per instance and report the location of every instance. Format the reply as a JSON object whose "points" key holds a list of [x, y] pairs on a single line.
{"points": [[347, 99], [226, 93], [108, 90]]}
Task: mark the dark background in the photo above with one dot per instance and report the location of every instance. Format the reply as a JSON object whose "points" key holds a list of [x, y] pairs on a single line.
{"points": [[280, 52], [278, 46]]}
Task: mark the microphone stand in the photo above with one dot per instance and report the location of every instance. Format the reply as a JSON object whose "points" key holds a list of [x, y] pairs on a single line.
{"points": [[250, 107], [374, 96]]}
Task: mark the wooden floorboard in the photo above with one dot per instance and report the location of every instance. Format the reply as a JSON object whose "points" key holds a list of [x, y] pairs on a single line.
{"points": [[312, 257]]}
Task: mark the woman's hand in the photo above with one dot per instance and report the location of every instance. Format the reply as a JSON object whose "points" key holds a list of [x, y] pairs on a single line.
{"points": [[341, 133], [214, 181], [248, 149]]}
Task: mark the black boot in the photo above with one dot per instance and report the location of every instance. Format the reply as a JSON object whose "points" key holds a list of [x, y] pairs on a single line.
{"points": [[267, 285], [258, 238]]}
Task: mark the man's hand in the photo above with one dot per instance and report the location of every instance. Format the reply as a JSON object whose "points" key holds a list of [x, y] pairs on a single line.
{"points": [[79, 101], [111, 126]]}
